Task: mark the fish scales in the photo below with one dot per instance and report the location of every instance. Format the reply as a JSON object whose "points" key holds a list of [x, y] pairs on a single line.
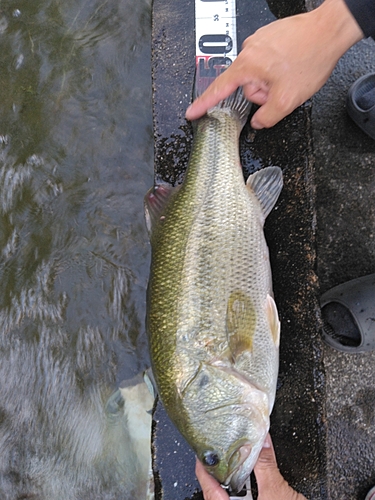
{"points": [[208, 292], [219, 225]]}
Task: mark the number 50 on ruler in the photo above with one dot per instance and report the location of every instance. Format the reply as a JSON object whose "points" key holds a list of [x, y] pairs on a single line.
{"points": [[216, 38]]}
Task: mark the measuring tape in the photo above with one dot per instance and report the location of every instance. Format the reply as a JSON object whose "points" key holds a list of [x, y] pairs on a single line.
{"points": [[216, 37]]}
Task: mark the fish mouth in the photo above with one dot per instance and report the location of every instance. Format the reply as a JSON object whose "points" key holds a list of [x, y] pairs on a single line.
{"points": [[238, 480], [236, 462], [247, 457]]}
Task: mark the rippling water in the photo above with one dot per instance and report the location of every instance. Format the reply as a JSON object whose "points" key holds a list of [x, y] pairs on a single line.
{"points": [[75, 162]]}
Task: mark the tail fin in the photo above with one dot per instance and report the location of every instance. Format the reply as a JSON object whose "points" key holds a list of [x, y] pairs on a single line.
{"points": [[237, 102], [205, 76]]}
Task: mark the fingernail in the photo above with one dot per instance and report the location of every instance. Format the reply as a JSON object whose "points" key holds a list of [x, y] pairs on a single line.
{"points": [[267, 442]]}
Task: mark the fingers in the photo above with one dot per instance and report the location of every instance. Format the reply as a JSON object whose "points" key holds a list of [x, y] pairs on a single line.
{"points": [[270, 481], [275, 108], [221, 88], [271, 484], [210, 487], [267, 459], [255, 94], [274, 104]]}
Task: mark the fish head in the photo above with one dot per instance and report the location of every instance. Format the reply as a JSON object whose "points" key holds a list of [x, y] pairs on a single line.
{"points": [[230, 421], [232, 458]]}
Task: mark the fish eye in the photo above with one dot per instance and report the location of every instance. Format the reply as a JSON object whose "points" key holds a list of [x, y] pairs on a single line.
{"points": [[210, 458]]}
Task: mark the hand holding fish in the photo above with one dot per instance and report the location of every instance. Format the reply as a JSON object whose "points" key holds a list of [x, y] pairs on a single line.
{"points": [[284, 63], [271, 484]]}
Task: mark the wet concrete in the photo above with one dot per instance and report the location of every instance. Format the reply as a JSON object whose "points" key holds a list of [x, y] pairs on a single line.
{"points": [[297, 420], [345, 180]]}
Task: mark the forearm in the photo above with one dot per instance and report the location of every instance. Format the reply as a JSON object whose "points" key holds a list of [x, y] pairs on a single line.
{"points": [[336, 26], [364, 13]]}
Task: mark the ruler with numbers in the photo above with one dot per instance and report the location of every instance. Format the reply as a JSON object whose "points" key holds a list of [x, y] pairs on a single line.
{"points": [[216, 39]]}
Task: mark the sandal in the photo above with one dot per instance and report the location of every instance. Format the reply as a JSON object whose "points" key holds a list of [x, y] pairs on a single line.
{"points": [[348, 312], [360, 103]]}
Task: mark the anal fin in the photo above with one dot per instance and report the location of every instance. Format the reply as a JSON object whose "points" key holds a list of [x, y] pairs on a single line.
{"points": [[267, 185]]}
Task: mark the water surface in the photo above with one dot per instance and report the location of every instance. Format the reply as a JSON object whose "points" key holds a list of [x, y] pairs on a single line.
{"points": [[75, 162]]}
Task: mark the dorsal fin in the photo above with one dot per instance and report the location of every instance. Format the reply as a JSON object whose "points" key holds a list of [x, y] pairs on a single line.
{"points": [[155, 203], [267, 185]]}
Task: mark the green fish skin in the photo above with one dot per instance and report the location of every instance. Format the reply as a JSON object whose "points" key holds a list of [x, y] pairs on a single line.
{"points": [[212, 322]]}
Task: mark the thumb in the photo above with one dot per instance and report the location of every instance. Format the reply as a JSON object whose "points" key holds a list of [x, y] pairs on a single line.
{"points": [[271, 484], [266, 469], [267, 457]]}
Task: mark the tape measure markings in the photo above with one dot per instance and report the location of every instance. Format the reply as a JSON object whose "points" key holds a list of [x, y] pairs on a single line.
{"points": [[216, 28]]}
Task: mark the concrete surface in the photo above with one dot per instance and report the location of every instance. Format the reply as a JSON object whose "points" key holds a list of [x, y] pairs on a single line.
{"points": [[345, 186]]}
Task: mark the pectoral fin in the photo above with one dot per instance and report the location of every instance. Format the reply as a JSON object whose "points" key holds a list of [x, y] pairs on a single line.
{"points": [[240, 322], [273, 320]]}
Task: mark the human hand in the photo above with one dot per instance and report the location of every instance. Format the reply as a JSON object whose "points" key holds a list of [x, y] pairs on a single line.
{"points": [[284, 63], [271, 484]]}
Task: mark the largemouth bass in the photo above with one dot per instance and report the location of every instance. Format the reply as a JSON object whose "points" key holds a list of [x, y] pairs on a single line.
{"points": [[212, 321]]}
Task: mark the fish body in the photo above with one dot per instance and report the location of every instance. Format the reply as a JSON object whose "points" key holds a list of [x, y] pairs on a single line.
{"points": [[212, 322]]}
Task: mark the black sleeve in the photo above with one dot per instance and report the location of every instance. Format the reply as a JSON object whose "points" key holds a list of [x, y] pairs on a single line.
{"points": [[364, 13]]}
